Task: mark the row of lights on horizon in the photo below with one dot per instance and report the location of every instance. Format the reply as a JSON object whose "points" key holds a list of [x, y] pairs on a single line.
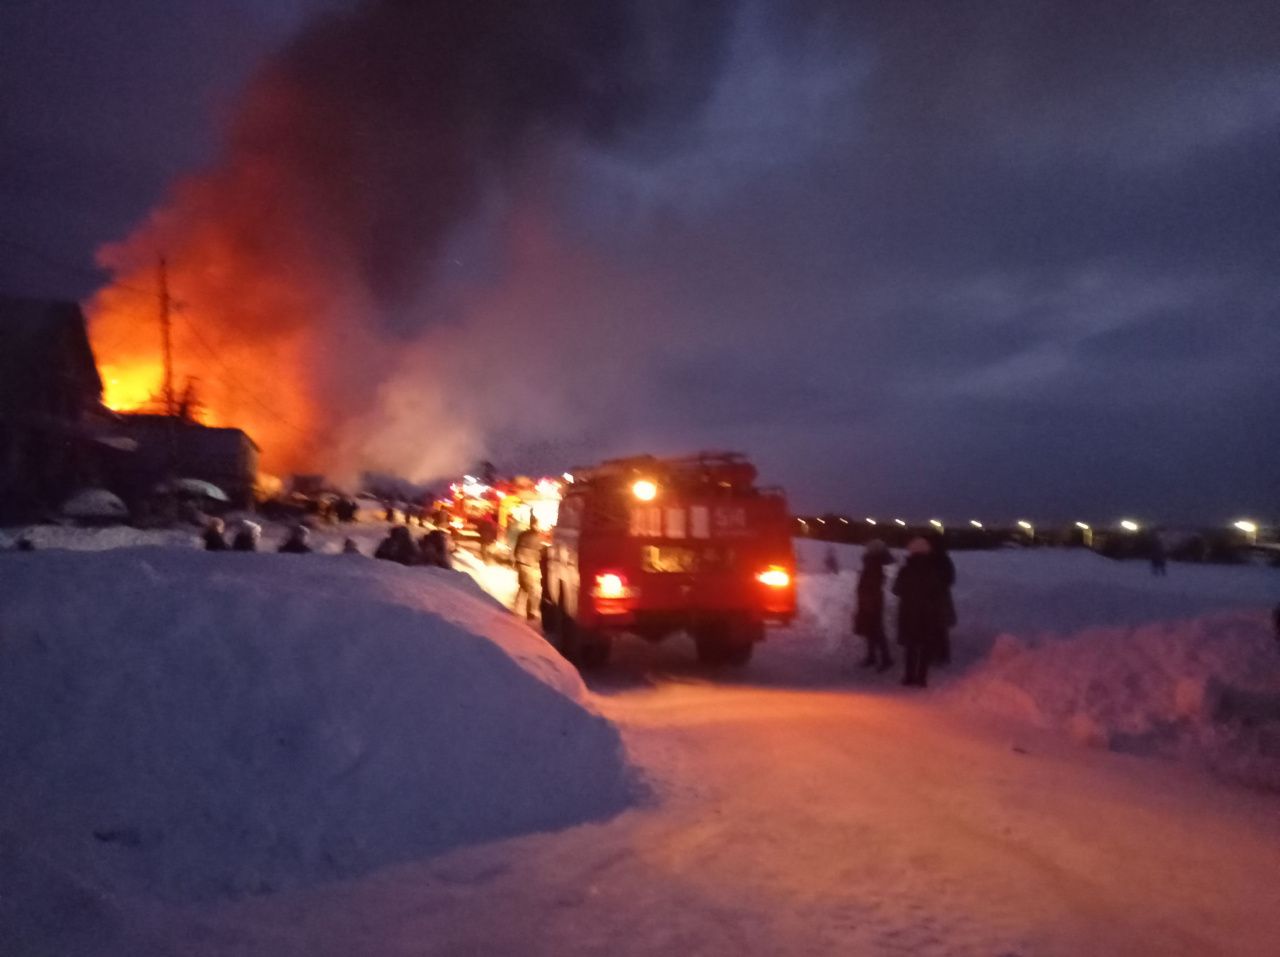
{"points": [[1244, 525]]}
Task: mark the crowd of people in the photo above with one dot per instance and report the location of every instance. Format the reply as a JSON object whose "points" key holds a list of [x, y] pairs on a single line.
{"points": [[926, 610], [433, 548]]}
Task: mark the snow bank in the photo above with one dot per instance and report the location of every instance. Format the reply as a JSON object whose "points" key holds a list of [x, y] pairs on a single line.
{"points": [[99, 538], [1205, 689], [1185, 666], [190, 725]]}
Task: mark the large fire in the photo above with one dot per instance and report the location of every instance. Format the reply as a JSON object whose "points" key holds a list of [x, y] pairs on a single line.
{"points": [[224, 376], [131, 388], [311, 269]]}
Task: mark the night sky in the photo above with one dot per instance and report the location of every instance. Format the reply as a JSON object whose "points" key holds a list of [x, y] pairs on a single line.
{"points": [[954, 259]]}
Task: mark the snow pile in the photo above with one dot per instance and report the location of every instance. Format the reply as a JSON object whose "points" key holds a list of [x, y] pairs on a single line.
{"points": [[190, 725], [98, 539], [1205, 689], [1185, 666]]}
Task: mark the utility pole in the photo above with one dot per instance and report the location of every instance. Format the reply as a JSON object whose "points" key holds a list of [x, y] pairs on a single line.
{"points": [[170, 400], [166, 335]]}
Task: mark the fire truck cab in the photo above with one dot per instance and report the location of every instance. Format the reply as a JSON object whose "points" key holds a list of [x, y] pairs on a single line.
{"points": [[651, 546]]}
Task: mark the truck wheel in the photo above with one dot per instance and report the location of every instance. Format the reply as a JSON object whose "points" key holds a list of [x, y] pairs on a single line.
{"points": [[594, 649], [563, 633], [727, 643], [549, 612], [581, 647]]}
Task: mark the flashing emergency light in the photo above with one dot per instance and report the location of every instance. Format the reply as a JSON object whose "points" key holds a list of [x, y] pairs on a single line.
{"points": [[644, 490]]}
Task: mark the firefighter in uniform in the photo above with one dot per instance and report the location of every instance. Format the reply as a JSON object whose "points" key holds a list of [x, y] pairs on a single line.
{"points": [[528, 555]]}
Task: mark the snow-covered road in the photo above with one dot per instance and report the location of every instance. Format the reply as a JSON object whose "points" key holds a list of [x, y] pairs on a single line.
{"points": [[823, 822], [797, 807], [799, 810]]}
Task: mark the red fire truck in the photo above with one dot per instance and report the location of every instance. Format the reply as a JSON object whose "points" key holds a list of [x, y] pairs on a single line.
{"points": [[652, 546]]}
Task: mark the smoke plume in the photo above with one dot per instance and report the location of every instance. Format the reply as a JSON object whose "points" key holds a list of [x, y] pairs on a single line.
{"points": [[369, 278]]}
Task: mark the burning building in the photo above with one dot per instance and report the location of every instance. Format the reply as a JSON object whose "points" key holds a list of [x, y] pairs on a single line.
{"points": [[306, 266]]}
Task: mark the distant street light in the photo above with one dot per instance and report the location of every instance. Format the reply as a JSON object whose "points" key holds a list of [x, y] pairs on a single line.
{"points": [[1129, 525], [898, 521], [1083, 526], [975, 523], [844, 521], [1086, 534], [871, 521], [1249, 528], [936, 522], [1025, 525]]}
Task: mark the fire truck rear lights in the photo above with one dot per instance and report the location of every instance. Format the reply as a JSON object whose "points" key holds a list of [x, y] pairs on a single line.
{"points": [[775, 576], [611, 585]]}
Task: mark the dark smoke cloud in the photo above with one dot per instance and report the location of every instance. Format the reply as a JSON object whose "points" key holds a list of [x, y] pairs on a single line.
{"points": [[991, 256], [394, 120], [368, 148]]}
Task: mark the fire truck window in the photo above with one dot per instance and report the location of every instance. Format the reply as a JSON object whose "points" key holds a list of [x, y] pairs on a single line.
{"points": [[646, 522], [675, 523], [730, 520], [667, 559], [699, 521]]}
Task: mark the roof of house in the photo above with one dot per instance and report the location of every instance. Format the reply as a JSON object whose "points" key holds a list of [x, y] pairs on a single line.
{"points": [[41, 340], [194, 434]]}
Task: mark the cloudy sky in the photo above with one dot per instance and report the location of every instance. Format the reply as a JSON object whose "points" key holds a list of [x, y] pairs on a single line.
{"points": [[974, 258]]}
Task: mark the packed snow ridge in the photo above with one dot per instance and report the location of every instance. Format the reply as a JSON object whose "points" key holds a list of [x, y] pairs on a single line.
{"points": [[1184, 666], [189, 725]]}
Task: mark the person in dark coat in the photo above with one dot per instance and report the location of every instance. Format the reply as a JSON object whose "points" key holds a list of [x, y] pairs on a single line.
{"points": [[947, 570], [868, 617], [398, 546], [214, 540], [246, 537], [296, 543], [488, 529], [528, 556], [435, 548], [831, 563], [922, 596], [1159, 558]]}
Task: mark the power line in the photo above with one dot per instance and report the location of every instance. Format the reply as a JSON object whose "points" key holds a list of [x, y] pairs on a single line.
{"points": [[234, 381], [162, 294]]}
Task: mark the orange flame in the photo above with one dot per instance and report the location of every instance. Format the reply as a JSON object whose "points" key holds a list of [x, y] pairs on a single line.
{"points": [[251, 381]]}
